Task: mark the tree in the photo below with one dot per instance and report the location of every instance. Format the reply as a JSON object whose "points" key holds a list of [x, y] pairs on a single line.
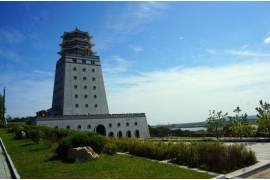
{"points": [[263, 120], [2, 108], [215, 123], [240, 126]]}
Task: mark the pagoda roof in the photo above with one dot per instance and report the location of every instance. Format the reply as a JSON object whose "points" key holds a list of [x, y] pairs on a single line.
{"points": [[76, 30]]}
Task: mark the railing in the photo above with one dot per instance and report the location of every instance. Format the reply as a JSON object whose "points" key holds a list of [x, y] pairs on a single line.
{"points": [[94, 115]]}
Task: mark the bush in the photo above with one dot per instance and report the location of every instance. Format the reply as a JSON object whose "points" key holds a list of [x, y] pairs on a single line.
{"points": [[63, 146], [110, 149], [80, 139], [97, 143]]}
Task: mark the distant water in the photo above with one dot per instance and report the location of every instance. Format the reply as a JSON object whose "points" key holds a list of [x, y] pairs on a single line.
{"points": [[191, 129]]}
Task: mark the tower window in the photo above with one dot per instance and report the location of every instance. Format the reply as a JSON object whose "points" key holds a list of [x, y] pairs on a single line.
{"points": [[75, 87], [84, 78], [86, 105], [110, 125], [135, 123], [76, 96], [118, 124], [74, 69], [95, 96], [83, 69], [85, 96], [93, 79], [95, 105], [79, 127], [127, 124], [77, 105], [68, 127], [75, 77], [94, 88], [85, 87], [92, 62], [74, 60], [83, 61], [93, 70], [89, 126]]}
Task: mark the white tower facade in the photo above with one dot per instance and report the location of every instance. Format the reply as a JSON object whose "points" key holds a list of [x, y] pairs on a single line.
{"points": [[78, 85]]}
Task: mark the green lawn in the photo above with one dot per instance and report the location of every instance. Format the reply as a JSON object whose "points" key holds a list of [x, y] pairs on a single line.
{"points": [[35, 161]]}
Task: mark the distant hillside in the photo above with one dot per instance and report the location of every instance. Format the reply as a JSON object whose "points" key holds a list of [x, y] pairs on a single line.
{"points": [[198, 124]]}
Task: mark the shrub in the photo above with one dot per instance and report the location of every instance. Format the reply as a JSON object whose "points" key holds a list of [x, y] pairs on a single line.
{"points": [[80, 139], [35, 135], [97, 143], [110, 149], [63, 146]]}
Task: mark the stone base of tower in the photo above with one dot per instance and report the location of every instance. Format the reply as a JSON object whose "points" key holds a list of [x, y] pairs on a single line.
{"points": [[117, 125]]}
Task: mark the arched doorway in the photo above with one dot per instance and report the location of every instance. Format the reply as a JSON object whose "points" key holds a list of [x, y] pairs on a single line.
{"points": [[119, 134], [111, 134], [100, 129], [137, 133], [128, 134]]}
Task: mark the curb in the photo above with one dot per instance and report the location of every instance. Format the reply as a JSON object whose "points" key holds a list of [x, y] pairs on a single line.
{"points": [[14, 173]]}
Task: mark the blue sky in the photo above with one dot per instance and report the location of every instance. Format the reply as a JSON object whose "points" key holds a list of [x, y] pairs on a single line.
{"points": [[174, 61]]}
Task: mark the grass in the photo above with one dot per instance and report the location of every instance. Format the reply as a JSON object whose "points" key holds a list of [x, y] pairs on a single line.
{"points": [[35, 161]]}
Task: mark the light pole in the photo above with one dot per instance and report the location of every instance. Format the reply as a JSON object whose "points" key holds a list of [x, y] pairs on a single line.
{"points": [[4, 106]]}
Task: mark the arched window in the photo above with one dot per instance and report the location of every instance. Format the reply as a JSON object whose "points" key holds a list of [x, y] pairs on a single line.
{"points": [[93, 79], [127, 124], [56, 127], [77, 105], [68, 127], [79, 127], [93, 70], [83, 69], [84, 78], [76, 96], [95, 105], [135, 123], [118, 124], [75, 87], [110, 125], [74, 69], [86, 105], [85, 96], [85, 87], [95, 96], [94, 88], [89, 126], [75, 77]]}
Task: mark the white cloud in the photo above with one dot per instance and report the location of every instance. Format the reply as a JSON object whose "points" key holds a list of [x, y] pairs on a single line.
{"points": [[27, 93], [186, 94], [210, 51], [245, 46], [246, 53], [181, 38], [11, 36], [267, 40], [136, 48]]}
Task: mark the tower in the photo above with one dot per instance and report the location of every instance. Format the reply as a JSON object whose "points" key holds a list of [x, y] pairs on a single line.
{"points": [[78, 84]]}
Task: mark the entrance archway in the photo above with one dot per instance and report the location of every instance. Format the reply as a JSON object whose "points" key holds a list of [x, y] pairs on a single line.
{"points": [[100, 129], [119, 134], [137, 133], [128, 134]]}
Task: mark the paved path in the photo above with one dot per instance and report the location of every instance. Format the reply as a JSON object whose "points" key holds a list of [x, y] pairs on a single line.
{"points": [[4, 170]]}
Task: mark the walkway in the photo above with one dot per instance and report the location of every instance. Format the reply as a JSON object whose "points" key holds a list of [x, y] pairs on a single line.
{"points": [[4, 169]]}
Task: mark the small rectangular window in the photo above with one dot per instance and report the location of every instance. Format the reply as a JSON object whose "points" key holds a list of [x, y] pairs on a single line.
{"points": [[83, 61], [74, 60]]}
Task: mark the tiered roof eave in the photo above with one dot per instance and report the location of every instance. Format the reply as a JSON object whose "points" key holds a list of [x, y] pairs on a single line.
{"points": [[76, 30]]}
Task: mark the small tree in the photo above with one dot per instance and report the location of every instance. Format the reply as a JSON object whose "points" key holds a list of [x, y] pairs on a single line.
{"points": [[2, 108], [240, 126], [263, 120], [215, 123]]}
